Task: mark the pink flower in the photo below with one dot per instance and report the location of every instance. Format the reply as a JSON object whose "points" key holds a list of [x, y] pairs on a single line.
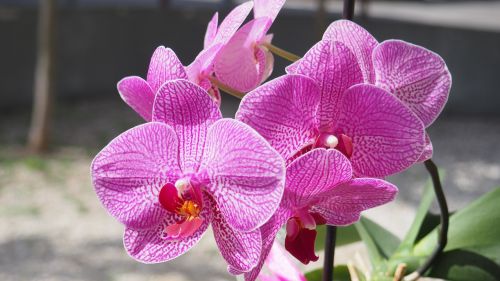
{"points": [[416, 76], [370, 126], [202, 68], [168, 179], [280, 266], [319, 189], [244, 63]]}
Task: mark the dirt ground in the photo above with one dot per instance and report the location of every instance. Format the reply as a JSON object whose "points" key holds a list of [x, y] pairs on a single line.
{"points": [[52, 226]]}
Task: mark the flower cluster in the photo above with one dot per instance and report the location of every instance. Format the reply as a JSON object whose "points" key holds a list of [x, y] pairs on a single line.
{"points": [[308, 148]]}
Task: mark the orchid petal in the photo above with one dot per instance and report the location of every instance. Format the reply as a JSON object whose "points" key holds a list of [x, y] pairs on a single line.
{"points": [[269, 231], [280, 265], [283, 111], [246, 174], [343, 205], [130, 171], [417, 76], [241, 250], [428, 150], [267, 8], [137, 93], [190, 111], [313, 174], [211, 30], [239, 64], [334, 67], [164, 66], [358, 40], [232, 22], [153, 246], [386, 136]]}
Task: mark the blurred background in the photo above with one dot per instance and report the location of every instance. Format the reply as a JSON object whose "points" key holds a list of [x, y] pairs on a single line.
{"points": [[59, 64]]}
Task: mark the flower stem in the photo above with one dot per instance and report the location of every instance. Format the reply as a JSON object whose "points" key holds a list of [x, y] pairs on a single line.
{"points": [[445, 220], [331, 236], [226, 89], [281, 53], [331, 231]]}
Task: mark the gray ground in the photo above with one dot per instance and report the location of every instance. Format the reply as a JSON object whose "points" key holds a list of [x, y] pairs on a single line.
{"points": [[53, 228]]}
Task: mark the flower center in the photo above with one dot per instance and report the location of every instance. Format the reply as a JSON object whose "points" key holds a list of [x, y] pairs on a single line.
{"points": [[184, 199], [341, 142]]}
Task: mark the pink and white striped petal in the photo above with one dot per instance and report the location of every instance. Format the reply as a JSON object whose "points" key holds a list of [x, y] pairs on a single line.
{"points": [[314, 174], [344, 204], [232, 22], [358, 40], [154, 246], [190, 111], [211, 31], [130, 171], [417, 76], [239, 64], [284, 112], [164, 66], [246, 175], [267, 8], [386, 136], [334, 67], [241, 250], [137, 93]]}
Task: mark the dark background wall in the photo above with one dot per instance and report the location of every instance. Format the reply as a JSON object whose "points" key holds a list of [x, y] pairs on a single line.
{"points": [[97, 47]]}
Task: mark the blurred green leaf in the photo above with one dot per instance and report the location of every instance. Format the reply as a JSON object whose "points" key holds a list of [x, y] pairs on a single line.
{"points": [[345, 235], [340, 273]]}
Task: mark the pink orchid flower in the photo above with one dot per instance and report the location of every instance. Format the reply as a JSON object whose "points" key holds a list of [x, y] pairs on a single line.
{"points": [[244, 63], [167, 180], [319, 189], [202, 68], [370, 126], [416, 76], [280, 266]]}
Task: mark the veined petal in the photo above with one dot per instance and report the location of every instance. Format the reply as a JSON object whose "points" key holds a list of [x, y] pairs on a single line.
{"points": [[343, 205], [335, 68], [137, 93], [153, 246], [211, 30], [284, 112], [417, 76], [130, 171], [358, 40], [281, 266], [269, 231], [164, 66], [428, 150], [239, 64], [246, 175], [267, 8], [386, 136], [190, 111], [232, 22], [312, 175], [241, 250]]}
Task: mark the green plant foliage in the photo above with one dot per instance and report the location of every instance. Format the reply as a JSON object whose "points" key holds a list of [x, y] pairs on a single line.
{"points": [[340, 273], [345, 235]]}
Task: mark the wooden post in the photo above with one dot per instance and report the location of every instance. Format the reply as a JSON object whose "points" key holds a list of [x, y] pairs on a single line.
{"points": [[38, 138]]}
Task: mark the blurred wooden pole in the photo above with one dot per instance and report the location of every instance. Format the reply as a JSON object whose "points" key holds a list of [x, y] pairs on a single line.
{"points": [[38, 138]]}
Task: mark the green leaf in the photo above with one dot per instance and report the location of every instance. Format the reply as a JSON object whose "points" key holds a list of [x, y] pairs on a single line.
{"points": [[476, 228], [340, 273], [345, 235]]}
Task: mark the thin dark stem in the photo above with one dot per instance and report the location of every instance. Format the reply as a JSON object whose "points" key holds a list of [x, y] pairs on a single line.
{"points": [[445, 219], [348, 12], [331, 236], [331, 231]]}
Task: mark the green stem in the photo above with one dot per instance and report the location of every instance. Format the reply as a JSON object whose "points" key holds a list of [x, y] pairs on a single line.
{"points": [[226, 89], [281, 53]]}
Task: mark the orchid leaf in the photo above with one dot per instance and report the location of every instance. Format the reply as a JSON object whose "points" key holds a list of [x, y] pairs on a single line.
{"points": [[340, 273]]}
